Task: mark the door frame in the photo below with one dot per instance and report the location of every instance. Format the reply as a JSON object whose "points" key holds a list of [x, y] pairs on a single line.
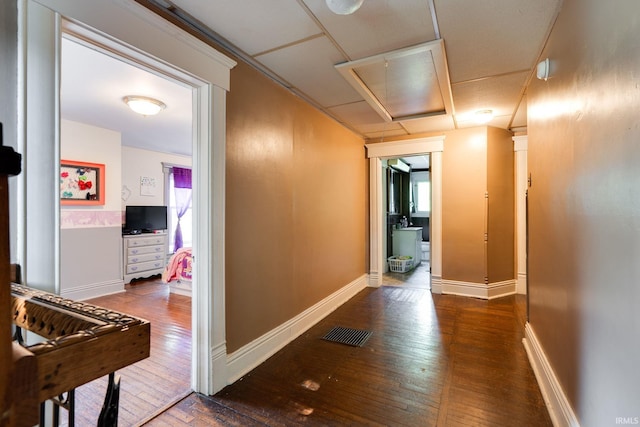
{"points": [[130, 31], [434, 146]]}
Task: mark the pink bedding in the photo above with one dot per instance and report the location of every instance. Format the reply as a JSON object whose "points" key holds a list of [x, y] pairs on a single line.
{"points": [[179, 266]]}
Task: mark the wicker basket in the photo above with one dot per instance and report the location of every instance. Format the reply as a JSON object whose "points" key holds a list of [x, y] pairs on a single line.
{"points": [[400, 264]]}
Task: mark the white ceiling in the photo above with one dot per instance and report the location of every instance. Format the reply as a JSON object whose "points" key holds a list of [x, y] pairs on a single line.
{"points": [[491, 49]]}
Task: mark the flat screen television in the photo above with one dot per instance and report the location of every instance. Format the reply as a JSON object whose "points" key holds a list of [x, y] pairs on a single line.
{"points": [[145, 219]]}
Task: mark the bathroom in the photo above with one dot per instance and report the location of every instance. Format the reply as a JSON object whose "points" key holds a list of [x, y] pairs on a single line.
{"points": [[408, 206]]}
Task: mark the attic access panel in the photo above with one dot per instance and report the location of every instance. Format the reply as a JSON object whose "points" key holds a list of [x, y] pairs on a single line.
{"points": [[404, 84]]}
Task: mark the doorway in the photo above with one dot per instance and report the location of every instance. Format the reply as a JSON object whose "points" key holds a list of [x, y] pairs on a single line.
{"points": [[132, 32], [404, 148], [407, 231]]}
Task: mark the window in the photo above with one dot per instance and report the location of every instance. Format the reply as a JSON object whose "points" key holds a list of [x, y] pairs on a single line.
{"points": [[421, 193], [178, 200], [185, 221]]}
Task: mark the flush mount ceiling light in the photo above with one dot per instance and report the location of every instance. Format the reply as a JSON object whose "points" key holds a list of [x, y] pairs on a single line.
{"points": [[144, 105], [344, 7], [483, 116]]}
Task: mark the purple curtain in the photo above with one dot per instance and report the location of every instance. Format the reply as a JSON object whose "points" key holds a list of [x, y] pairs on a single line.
{"points": [[182, 191]]}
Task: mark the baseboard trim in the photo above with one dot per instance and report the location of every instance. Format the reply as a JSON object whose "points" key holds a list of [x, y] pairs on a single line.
{"points": [[374, 279], [93, 290], [522, 283], [560, 410], [243, 360], [436, 284], [478, 290]]}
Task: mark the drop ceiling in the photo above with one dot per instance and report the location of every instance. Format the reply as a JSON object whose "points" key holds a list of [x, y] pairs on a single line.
{"points": [[489, 50]]}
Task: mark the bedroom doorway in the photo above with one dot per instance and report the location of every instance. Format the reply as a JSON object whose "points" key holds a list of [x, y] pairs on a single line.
{"points": [[95, 127], [197, 65]]}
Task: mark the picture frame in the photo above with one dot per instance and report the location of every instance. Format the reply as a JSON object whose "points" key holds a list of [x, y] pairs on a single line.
{"points": [[82, 183]]}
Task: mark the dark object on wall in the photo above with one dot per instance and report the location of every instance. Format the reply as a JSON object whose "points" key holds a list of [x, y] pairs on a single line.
{"points": [[10, 161]]}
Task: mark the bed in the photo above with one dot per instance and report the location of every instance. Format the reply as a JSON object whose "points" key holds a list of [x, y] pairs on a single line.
{"points": [[177, 273]]}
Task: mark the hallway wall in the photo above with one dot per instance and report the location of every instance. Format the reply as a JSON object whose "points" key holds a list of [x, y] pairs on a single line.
{"points": [[584, 208], [297, 225]]}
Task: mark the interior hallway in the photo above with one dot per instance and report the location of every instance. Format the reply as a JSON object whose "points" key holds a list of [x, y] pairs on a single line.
{"points": [[432, 360]]}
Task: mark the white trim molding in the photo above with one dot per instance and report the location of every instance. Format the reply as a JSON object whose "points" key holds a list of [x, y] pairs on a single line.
{"points": [[93, 290], [520, 144], [243, 360], [477, 290], [133, 33], [560, 410]]}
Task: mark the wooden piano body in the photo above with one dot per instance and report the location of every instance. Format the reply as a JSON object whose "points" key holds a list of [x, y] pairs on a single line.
{"points": [[82, 341]]}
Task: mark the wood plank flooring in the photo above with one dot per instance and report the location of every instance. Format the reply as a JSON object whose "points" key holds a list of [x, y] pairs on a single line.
{"points": [[433, 360], [155, 383]]}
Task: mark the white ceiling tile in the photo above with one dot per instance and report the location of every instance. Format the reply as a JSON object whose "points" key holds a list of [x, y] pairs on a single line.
{"points": [[362, 118], [378, 26], [499, 94], [488, 37], [429, 124], [497, 121], [381, 136], [253, 25], [520, 118], [309, 67]]}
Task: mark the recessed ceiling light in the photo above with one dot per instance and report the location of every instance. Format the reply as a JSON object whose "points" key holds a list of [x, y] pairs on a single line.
{"points": [[144, 105]]}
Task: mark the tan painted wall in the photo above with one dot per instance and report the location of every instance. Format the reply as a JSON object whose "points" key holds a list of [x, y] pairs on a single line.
{"points": [[464, 171], [584, 208], [297, 217], [501, 219]]}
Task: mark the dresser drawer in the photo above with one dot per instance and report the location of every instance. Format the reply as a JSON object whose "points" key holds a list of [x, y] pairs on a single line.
{"points": [[145, 250], [145, 241], [135, 259], [144, 266]]}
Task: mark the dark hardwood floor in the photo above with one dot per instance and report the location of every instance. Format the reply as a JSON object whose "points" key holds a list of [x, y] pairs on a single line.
{"points": [[153, 384], [433, 360]]}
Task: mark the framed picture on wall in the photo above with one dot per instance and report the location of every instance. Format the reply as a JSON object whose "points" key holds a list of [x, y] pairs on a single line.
{"points": [[81, 183]]}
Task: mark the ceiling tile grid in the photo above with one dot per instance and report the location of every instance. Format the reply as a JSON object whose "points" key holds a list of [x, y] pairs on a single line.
{"points": [[253, 26], [489, 37], [491, 48], [378, 26], [304, 65]]}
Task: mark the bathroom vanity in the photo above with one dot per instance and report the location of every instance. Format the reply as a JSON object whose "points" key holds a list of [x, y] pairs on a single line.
{"points": [[408, 241]]}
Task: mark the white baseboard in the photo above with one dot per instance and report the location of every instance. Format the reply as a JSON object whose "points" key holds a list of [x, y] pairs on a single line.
{"points": [[560, 410], [522, 283], [93, 290], [375, 280], [243, 360], [478, 290], [436, 284]]}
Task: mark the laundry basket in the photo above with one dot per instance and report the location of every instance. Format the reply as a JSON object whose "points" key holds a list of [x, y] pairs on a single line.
{"points": [[400, 264]]}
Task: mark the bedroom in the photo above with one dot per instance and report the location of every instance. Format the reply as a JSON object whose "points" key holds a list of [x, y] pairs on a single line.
{"points": [[138, 163]]}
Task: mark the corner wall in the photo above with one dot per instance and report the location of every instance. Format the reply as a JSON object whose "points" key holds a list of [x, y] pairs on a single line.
{"points": [[584, 210]]}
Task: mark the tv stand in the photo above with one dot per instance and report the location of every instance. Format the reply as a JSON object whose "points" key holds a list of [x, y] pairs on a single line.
{"points": [[144, 255]]}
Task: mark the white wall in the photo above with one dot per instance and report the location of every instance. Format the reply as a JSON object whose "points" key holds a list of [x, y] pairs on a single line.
{"points": [[137, 163], [91, 236]]}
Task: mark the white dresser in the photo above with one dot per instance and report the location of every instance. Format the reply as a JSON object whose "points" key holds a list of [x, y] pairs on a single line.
{"points": [[144, 255], [408, 241]]}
